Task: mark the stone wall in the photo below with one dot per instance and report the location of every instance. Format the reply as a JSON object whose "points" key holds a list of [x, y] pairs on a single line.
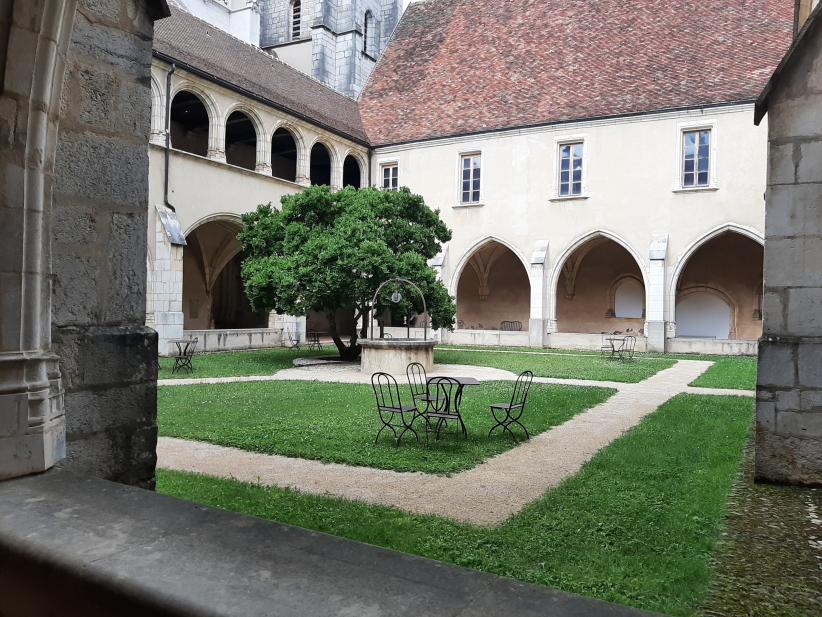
{"points": [[107, 355], [789, 392]]}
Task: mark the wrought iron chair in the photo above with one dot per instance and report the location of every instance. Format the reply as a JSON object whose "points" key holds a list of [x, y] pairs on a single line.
{"points": [[418, 382], [607, 348], [390, 408], [513, 411], [294, 339], [627, 349], [185, 354], [444, 402], [313, 339], [511, 326]]}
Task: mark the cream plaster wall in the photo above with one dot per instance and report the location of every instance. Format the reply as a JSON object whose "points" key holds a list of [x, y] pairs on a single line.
{"points": [[631, 192]]}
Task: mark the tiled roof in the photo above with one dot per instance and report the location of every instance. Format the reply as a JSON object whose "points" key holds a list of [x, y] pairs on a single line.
{"points": [[465, 66], [196, 44]]}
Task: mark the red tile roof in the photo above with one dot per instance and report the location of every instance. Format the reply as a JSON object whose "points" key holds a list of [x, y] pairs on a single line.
{"points": [[465, 66]]}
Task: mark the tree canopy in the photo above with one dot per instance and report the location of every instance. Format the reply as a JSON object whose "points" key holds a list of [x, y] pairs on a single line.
{"points": [[327, 250]]}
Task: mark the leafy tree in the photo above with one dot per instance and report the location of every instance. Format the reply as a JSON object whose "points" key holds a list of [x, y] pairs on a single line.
{"points": [[327, 250]]}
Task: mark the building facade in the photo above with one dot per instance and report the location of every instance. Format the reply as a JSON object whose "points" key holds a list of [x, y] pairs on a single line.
{"points": [[621, 202]]}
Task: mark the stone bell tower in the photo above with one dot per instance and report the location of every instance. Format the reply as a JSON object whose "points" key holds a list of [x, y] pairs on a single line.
{"points": [[337, 42]]}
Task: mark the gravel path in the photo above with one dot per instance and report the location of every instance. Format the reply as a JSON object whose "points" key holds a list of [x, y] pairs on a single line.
{"points": [[486, 495]]}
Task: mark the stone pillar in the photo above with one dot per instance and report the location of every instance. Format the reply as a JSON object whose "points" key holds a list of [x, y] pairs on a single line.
{"points": [[655, 294], [263, 165], [303, 165], [537, 333], [164, 306], [789, 382], [336, 170], [438, 264], [216, 140], [32, 420]]}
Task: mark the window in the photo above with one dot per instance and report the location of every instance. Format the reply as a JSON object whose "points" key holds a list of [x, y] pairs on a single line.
{"points": [[390, 177], [696, 158], [570, 169], [470, 166], [367, 32], [296, 19]]}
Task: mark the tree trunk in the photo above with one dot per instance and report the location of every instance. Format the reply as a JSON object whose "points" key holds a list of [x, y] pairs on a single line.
{"points": [[349, 352]]}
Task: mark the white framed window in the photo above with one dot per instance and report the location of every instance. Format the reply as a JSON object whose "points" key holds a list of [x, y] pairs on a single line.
{"points": [[296, 19], [390, 176], [571, 157], [470, 177], [696, 158]]}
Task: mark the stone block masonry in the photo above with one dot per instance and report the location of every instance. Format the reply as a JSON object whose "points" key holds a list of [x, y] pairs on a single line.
{"points": [[789, 391], [107, 355]]}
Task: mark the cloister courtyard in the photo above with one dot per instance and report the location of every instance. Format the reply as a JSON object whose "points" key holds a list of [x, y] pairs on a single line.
{"points": [[635, 487]]}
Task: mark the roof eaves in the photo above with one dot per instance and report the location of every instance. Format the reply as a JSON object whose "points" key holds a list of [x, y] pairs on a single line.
{"points": [[761, 106]]}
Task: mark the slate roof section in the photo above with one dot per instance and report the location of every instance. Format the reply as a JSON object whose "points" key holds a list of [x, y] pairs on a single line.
{"points": [[467, 66], [202, 48]]}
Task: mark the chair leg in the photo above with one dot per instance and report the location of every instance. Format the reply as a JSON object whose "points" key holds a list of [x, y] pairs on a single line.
{"points": [[379, 432]]}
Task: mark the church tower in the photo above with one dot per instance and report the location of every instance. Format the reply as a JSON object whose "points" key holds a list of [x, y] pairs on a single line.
{"points": [[337, 42]]}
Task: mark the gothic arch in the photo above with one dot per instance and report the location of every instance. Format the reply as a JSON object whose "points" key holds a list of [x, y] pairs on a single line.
{"points": [[158, 112], [697, 244], [469, 253], [580, 242], [718, 292], [227, 217]]}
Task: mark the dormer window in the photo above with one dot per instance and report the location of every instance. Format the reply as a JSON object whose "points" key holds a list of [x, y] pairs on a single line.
{"points": [[296, 19]]}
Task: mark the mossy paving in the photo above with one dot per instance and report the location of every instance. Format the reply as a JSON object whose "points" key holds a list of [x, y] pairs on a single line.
{"points": [[770, 558]]}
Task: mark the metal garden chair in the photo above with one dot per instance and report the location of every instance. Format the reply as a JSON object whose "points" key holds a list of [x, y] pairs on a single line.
{"points": [[511, 326], [444, 401], [391, 409], [185, 353], [418, 382], [506, 414], [628, 349], [313, 339], [294, 340]]}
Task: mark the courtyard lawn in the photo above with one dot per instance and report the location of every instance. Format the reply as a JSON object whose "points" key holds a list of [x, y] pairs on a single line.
{"points": [[734, 372], [240, 363], [338, 422], [638, 525], [564, 366]]}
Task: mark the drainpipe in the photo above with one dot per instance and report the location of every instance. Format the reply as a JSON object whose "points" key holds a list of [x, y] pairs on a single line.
{"points": [[168, 136]]}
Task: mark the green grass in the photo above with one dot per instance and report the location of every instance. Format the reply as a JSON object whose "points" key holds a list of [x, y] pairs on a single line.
{"points": [[566, 366], [637, 525], [261, 362], [338, 422], [737, 372]]}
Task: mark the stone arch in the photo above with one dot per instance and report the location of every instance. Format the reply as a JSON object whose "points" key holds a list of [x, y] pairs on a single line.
{"points": [[612, 293], [213, 297], [361, 162], [261, 154], [284, 165], [492, 286], [196, 135], [719, 293], [215, 118], [330, 174], [158, 112], [452, 287], [727, 261], [580, 242], [694, 246]]}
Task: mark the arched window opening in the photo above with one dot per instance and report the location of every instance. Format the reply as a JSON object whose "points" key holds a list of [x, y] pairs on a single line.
{"points": [[240, 141], [284, 155], [368, 33], [493, 292], [703, 315], [629, 299], [351, 172], [725, 271], [320, 166], [189, 124], [296, 19]]}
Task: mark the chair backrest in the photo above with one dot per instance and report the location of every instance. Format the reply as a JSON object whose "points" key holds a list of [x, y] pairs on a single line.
{"points": [[511, 326], [417, 379], [386, 391], [387, 335], [521, 388], [630, 344], [443, 392]]}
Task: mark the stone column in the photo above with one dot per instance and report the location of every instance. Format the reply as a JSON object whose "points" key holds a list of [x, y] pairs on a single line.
{"points": [[263, 165], [336, 171], [303, 165], [165, 286], [655, 294], [216, 140], [537, 333], [438, 264], [32, 419]]}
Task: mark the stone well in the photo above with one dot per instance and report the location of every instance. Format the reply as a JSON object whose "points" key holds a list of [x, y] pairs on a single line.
{"points": [[394, 355]]}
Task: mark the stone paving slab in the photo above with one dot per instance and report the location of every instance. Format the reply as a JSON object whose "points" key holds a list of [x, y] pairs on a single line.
{"points": [[486, 495]]}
